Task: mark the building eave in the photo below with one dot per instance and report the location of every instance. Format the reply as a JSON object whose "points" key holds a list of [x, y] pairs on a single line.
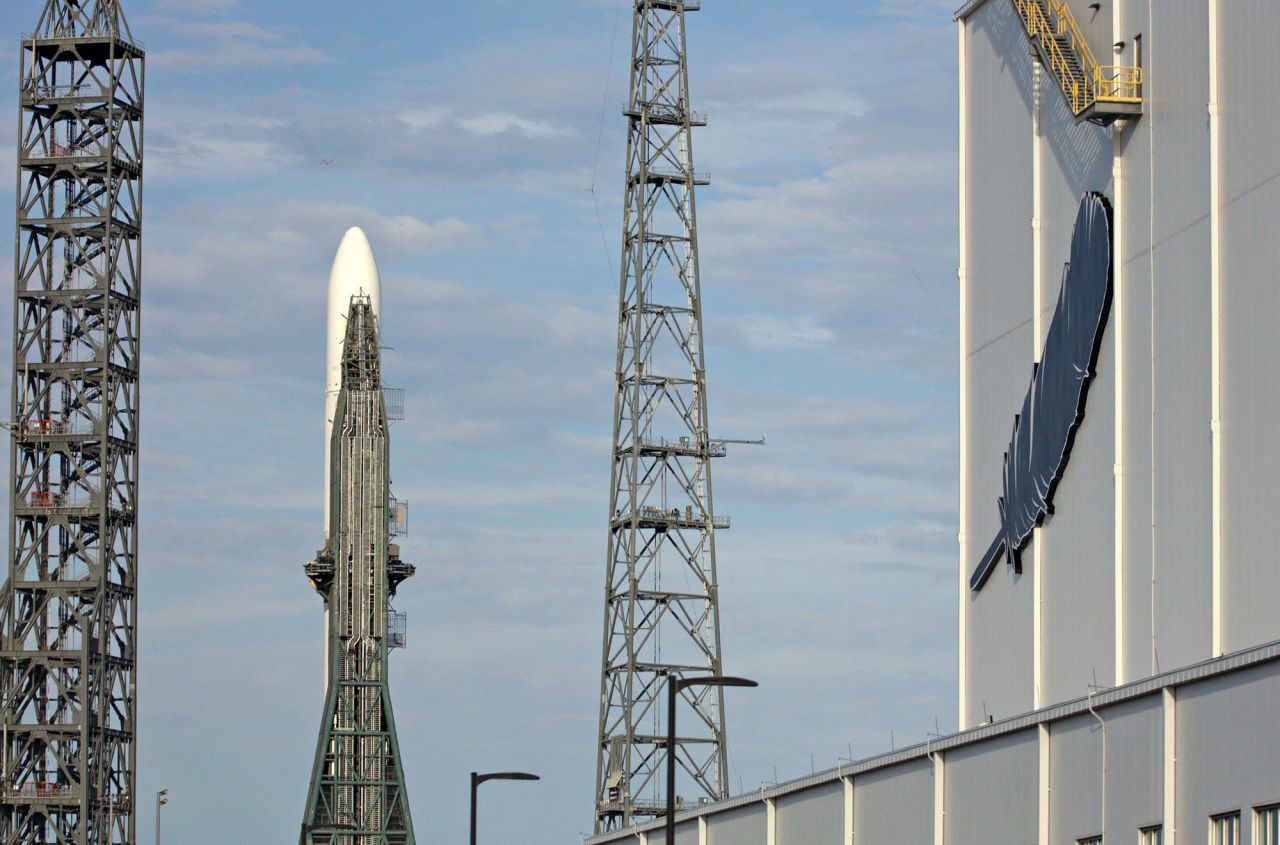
{"points": [[968, 9], [1215, 667]]}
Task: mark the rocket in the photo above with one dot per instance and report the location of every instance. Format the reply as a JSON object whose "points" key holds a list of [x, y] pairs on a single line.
{"points": [[357, 791], [354, 273]]}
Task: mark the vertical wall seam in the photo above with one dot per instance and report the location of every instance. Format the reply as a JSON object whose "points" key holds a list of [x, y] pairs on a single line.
{"points": [[1151, 261], [939, 798], [1170, 718], [1215, 311], [848, 811], [1037, 309], [962, 277], [1043, 806], [1118, 341]]}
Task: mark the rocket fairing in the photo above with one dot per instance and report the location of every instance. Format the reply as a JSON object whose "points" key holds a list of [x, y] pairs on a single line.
{"points": [[357, 791], [354, 273]]}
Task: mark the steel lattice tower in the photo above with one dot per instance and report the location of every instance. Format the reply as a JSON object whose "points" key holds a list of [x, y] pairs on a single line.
{"points": [[661, 615], [67, 611]]}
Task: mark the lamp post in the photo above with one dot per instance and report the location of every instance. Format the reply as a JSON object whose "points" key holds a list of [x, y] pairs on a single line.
{"points": [[161, 800], [477, 779], [674, 685]]}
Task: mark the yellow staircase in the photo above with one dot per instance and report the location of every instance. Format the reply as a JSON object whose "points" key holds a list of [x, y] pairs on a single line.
{"points": [[1097, 93]]}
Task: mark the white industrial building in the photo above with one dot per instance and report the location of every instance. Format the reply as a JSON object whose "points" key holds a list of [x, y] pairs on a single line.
{"points": [[1125, 685]]}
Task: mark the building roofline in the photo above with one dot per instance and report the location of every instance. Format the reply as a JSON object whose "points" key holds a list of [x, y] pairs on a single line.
{"points": [[968, 9], [1129, 692]]}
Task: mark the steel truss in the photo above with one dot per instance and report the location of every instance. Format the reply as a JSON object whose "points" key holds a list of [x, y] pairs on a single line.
{"points": [[661, 608], [357, 794], [67, 611]]}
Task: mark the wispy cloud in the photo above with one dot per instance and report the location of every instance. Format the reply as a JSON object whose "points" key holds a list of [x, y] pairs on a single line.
{"points": [[227, 45], [778, 332], [497, 123]]}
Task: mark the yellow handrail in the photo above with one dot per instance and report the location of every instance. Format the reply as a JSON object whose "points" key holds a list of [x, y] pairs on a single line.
{"points": [[1118, 82], [1067, 24], [1110, 83]]}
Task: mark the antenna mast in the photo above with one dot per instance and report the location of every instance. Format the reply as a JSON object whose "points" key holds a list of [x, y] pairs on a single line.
{"points": [[661, 616]]}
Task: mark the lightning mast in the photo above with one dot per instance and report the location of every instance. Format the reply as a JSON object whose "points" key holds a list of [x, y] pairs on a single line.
{"points": [[357, 794], [68, 608], [661, 614]]}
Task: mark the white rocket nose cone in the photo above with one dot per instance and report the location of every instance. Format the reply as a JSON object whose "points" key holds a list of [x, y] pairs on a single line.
{"points": [[355, 272]]}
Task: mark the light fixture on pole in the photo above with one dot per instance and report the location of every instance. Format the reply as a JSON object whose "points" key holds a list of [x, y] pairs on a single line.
{"points": [[477, 779], [161, 800], [674, 685]]}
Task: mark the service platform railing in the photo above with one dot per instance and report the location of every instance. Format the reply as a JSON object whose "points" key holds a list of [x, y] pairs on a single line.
{"points": [[1100, 93]]}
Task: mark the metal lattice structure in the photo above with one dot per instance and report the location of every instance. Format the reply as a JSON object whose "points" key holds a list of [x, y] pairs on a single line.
{"points": [[68, 608], [661, 614], [357, 794]]}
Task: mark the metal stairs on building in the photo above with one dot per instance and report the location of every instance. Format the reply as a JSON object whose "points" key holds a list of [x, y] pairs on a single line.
{"points": [[1097, 93]]}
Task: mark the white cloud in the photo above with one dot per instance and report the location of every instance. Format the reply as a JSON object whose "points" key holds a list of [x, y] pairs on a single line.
{"points": [[211, 157], [407, 233], [771, 331], [227, 45], [427, 118], [498, 123]]}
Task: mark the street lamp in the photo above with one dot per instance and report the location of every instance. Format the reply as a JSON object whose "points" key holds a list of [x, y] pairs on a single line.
{"points": [[477, 779], [161, 800], [674, 685]]}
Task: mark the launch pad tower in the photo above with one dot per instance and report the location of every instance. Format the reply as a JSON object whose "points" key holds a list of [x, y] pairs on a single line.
{"points": [[68, 609], [357, 794], [661, 615]]}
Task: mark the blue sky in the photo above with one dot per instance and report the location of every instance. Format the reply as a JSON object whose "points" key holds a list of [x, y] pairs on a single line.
{"points": [[481, 146]]}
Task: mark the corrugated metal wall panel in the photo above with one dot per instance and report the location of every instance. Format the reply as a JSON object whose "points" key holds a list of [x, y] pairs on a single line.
{"points": [[1228, 739], [999, 644], [1078, 618], [1134, 773], [741, 826], [991, 792], [1177, 102], [1075, 780], [999, 313], [1131, 327], [1096, 25], [1250, 72], [894, 806], [1078, 540], [686, 834], [812, 817], [1135, 766]]}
